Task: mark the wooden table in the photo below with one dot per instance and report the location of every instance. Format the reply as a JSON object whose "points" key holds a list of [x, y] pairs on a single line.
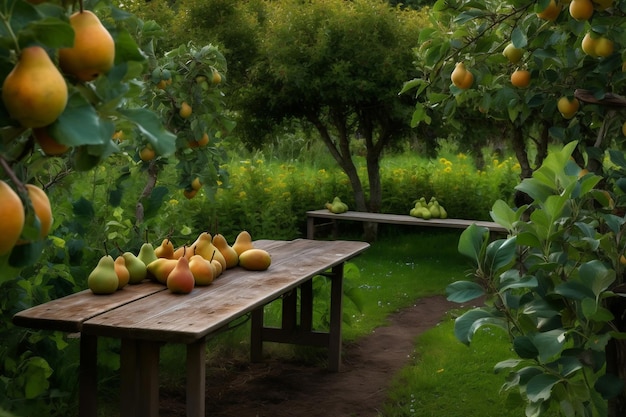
{"points": [[362, 216], [147, 315]]}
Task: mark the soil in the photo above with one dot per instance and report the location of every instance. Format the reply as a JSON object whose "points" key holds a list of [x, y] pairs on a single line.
{"points": [[279, 388]]}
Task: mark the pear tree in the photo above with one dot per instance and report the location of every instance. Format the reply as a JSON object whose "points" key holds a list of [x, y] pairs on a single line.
{"points": [[555, 284]]}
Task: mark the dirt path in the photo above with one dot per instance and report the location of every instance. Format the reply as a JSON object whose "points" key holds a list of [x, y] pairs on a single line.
{"points": [[283, 389]]}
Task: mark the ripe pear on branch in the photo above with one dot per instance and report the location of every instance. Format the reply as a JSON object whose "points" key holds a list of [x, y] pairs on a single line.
{"points": [[337, 206]]}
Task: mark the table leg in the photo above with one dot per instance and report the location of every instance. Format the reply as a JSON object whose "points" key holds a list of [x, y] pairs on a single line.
{"points": [[256, 335], [88, 376], [336, 312], [310, 228], [129, 378], [196, 377], [148, 398]]}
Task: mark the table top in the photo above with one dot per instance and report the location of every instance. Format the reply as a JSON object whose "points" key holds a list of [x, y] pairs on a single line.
{"points": [[148, 311]]}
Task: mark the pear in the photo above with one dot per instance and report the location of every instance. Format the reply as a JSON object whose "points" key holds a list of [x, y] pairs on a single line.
{"points": [[202, 270], [136, 268], [165, 249], [179, 252], [435, 212], [255, 260], [443, 214], [146, 253], [34, 93], [93, 52], [103, 279], [123, 274], [181, 280], [243, 242], [160, 268], [218, 268], [227, 251], [204, 246]]}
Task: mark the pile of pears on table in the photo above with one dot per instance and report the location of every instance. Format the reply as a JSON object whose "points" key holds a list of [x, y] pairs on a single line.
{"points": [[179, 269]]}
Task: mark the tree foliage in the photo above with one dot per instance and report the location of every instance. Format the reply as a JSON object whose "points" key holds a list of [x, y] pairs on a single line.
{"points": [[476, 33]]}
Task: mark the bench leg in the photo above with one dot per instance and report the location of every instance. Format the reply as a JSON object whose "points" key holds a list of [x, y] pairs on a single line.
{"points": [[336, 312], [88, 376], [196, 378]]}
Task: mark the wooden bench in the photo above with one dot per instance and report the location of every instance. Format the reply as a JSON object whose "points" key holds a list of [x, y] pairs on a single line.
{"points": [[361, 216], [147, 315]]}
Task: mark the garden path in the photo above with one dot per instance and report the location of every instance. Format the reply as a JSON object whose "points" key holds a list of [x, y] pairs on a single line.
{"points": [[276, 388]]}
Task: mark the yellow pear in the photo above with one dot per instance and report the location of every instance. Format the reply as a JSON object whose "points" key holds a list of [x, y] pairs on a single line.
{"points": [[229, 254], [161, 268], [218, 267], [12, 218], [203, 271], [93, 52], [34, 93], [204, 246], [243, 242], [255, 260], [165, 249]]}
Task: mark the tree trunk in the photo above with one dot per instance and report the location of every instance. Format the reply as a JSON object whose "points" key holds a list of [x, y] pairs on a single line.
{"points": [[341, 154]]}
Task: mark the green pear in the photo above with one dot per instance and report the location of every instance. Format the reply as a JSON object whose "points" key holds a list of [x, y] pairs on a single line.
{"points": [[136, 268], [103, 279], [435, 212], [424, 213], [146, 253], [443, 214], [181, 280]]}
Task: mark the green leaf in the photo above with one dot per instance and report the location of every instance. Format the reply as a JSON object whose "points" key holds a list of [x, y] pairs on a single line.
{"points": [[500, 254], [464, 325], [472, 241], [36, 377], [596, 276], [575, 290], [507, 364], [463, 291], [524, 347], [549, 343], [52, 32], [539, 388], [609, 386], [79, 118], [504, 215], [163, 141], [518, 37]]}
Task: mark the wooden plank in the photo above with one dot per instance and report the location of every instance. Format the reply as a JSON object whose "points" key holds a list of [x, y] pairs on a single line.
{"points": [[68, 313], [185, 318], [400, 219]]}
